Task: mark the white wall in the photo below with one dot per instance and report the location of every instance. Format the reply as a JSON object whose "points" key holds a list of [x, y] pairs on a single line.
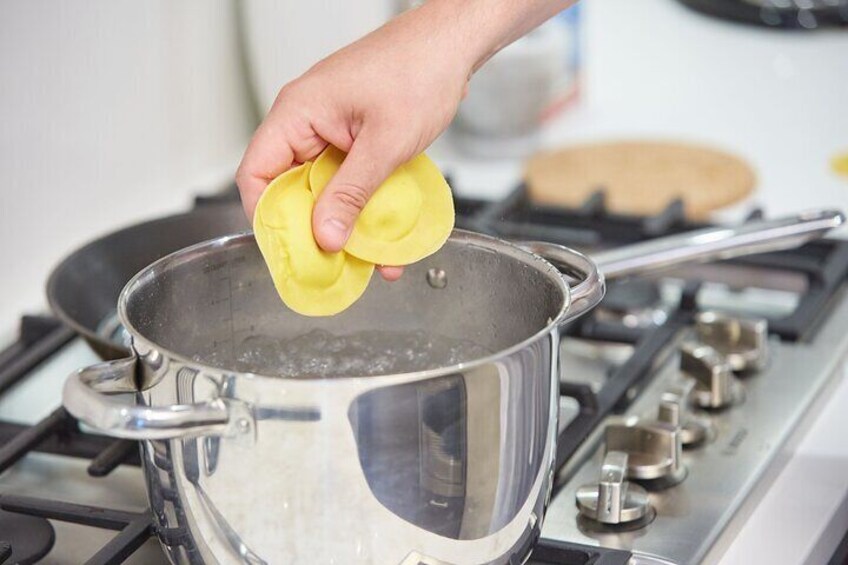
{"points": [[110, 111], [285, 38]]}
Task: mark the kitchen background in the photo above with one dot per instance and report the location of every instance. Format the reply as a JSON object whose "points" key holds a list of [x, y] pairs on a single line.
{"points": [[114, 111]]}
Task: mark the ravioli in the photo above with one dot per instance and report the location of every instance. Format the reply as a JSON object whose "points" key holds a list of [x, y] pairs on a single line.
{"points": [[309, 280], [409, 217]]}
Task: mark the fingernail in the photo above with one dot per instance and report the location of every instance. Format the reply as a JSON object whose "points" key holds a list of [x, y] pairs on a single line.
{"points": [[335, 233]]}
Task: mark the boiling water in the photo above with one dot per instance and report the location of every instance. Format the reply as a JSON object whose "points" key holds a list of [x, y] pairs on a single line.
{"points": [[320, 353]]}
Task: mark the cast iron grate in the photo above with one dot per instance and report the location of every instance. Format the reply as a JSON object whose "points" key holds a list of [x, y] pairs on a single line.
{"points": [[134, 528]]}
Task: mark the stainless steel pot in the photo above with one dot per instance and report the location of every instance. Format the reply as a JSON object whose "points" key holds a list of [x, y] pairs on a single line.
{"points": [[452, 465]]}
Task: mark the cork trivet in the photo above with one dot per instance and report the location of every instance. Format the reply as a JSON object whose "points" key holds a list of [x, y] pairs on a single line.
{"points": [[640, 177]]}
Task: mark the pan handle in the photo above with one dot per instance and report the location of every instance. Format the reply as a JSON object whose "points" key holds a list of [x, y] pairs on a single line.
{"points": [[717, 243], [657, 254], [86, 396]]}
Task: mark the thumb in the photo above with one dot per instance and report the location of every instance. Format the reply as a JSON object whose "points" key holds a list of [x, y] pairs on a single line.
{"points": [[366, 166]]}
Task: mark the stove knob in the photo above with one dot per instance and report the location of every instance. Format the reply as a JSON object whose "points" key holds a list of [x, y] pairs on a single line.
{"points": [[613, 500], [743, 341], [672, 411], [715, 385], [653, 450]]}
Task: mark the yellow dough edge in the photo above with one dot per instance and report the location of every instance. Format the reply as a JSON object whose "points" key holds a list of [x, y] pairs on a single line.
{"points": [[305, 300]]}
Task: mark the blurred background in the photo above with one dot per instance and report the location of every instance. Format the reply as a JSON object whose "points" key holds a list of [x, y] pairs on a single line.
{"points": [[117, 111]]}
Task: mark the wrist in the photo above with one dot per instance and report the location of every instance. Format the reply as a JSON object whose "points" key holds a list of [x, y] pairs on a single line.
{"points": [[481, 28]]}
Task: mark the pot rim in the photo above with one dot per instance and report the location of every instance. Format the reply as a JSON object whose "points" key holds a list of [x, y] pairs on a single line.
{"points": [[472, 238]]}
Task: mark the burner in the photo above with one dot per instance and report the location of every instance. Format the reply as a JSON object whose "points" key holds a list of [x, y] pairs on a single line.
{"points": [[630, 295], [31, 538], [635, 303]]}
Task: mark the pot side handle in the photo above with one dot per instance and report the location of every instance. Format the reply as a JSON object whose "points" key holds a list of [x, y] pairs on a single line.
{"points": [[86, 396], [586, 283]]}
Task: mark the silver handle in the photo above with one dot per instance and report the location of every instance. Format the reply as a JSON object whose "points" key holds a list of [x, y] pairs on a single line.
{"points": [[587, 275], [585, 281], [717, 243], [86, 396]]}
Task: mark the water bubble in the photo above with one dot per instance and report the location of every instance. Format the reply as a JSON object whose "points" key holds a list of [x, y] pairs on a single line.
{"points": [[320, 353]]}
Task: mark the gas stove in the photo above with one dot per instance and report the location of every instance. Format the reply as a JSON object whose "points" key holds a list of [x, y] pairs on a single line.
{"points": [[681, 397]]}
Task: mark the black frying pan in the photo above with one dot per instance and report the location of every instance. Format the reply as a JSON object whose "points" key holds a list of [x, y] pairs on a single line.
{"points": [[83, 289]]}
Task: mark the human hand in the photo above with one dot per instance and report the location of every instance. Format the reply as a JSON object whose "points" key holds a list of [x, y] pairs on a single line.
{"points": [[382, 100]]}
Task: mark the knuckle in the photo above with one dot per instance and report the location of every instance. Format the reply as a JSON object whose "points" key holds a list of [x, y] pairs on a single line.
{"points": [[286, 92], [352, 196]]}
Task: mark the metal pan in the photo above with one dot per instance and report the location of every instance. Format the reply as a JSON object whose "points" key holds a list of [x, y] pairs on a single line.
{"points": [[83, 289]]}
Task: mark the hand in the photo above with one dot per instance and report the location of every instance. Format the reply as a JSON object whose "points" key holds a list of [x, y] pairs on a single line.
{"points": [[382, 100]]}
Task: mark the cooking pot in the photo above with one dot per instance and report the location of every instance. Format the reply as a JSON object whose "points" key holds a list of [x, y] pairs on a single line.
{"points": [[446, 465]]}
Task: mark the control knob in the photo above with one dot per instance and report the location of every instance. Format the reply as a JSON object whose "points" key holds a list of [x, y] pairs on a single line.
{"points": [[653, 450], [715, 384], [673, 411], [613, 500], [742, 341]]}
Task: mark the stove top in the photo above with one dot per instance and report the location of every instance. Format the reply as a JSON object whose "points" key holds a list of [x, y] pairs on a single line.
{"points": [[681, 395]]}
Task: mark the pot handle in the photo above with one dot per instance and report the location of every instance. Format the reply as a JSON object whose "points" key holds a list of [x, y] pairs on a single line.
{"points": [[584, 279], [717, 243], [86, 396]]}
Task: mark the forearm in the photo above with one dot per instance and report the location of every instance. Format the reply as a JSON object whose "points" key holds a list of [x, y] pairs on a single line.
{"points": [[484, 27]]}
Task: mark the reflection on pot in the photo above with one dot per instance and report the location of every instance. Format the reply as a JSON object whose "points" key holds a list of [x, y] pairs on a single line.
{"points": [[458, 455]]}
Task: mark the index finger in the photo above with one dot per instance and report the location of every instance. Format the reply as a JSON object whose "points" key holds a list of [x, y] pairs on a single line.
{"points": [[267, 156]]}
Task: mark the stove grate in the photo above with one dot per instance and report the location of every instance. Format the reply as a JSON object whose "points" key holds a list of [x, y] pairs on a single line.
{"points": [[39, 338], [552, 552], [26, 538], [134, 528]]}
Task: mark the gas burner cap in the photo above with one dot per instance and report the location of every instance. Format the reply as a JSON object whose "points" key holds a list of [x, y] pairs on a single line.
{"points": [[31, 538], [632, 294], [634, 303]]}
